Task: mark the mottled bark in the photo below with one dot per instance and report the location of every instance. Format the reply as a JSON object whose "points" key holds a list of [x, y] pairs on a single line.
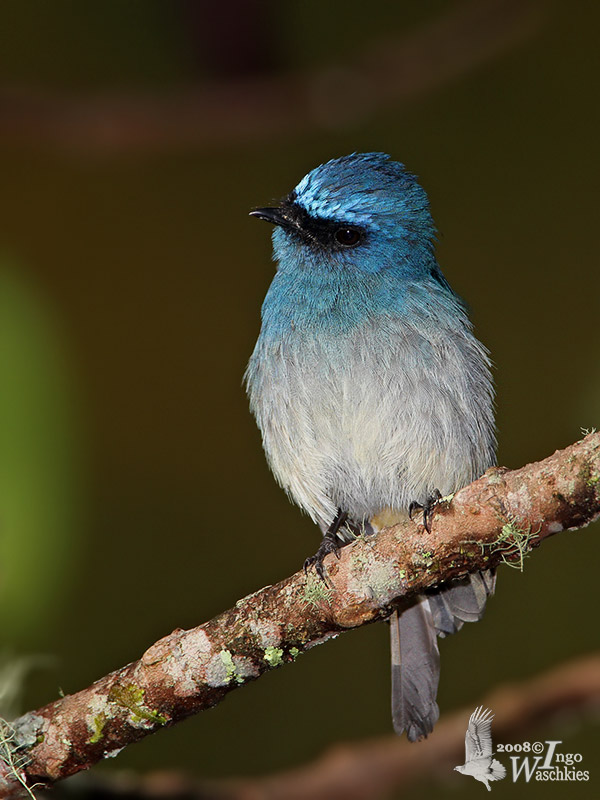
{"points": [[565, 697], [499, 517]]}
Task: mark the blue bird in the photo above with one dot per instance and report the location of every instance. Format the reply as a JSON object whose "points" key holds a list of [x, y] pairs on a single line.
{"points": [[370, 390]]}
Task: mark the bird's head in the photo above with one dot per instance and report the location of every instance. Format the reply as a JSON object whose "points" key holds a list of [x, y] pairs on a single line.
{"points": [[361, 211], [460, 769]]}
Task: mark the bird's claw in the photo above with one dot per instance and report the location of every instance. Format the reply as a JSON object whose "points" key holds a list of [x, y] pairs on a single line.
{"points": [[427, 508], [328, 545]]}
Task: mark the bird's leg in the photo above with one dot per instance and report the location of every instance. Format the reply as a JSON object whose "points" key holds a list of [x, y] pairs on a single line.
{"points": [[329, 544], [427, 508]]}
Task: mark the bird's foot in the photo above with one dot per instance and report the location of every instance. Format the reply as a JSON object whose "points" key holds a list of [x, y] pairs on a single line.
{"points": [[330, 544], [427, 508]]}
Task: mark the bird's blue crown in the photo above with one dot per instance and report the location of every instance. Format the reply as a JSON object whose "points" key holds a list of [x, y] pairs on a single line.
{"points": [[366, 189]]}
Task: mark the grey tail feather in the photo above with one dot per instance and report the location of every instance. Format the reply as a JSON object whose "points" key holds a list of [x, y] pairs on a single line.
{"points": [[415, 670], [462, 601], [415, 654]]}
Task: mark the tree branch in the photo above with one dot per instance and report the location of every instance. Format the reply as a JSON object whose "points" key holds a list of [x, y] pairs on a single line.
{"points": [[378, 767], [499, 517]]}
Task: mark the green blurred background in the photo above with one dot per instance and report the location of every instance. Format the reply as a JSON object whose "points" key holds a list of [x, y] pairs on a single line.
{"points": [[134, 495]]}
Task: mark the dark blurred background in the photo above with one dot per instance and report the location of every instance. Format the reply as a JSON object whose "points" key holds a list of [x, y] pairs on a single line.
{"points": [[134, 495]]}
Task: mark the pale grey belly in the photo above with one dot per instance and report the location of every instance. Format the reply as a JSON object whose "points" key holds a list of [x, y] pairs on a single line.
{"points": [[363, 429]]}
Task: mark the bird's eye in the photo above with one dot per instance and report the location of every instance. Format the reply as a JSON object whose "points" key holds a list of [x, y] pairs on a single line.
{"points": [[348, 237]]}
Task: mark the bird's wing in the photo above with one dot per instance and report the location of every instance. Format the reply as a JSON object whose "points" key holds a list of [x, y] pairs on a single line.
{"points": [[461, 601], [478, 741]]}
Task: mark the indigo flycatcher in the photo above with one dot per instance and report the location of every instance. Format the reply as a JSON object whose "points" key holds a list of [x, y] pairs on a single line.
{"points": [[371, 392]]}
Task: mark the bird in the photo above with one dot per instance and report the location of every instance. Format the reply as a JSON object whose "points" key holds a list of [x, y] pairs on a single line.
{"points": [[371, 392], [478, 750]]}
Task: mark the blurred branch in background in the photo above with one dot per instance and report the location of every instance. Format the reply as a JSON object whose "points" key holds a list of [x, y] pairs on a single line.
{"points": [[374, 768], [262, 106], [498, 518]]}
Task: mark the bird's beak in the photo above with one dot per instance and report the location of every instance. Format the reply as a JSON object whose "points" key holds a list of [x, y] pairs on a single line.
{"points": [[274, 215]]}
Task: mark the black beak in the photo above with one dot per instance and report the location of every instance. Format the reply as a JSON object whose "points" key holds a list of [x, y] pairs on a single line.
{"points": [[274, 215]]}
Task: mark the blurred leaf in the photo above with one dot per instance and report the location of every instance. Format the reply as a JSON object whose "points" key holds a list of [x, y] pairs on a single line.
{"points": [[38, 484]]}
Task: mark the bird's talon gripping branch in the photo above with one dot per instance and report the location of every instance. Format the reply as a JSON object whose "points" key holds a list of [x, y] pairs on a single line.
{"points": [[427, 508], [328, 545]]}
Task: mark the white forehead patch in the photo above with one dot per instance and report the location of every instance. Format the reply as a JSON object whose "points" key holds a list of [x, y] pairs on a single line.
{"points": [[321, 201]]}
